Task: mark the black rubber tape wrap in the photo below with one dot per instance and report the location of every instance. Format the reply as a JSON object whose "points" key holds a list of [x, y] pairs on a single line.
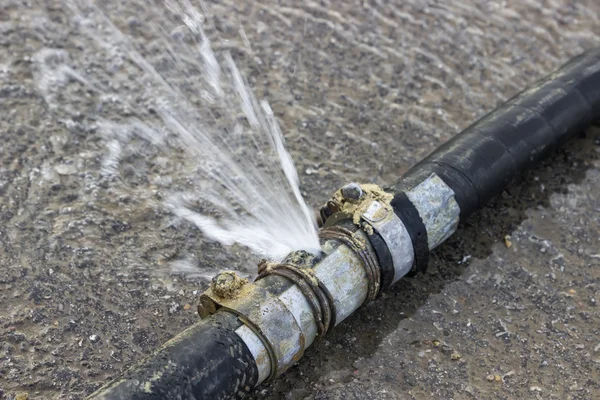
{"points": [[384, 257], [482, 160], [206, 361], [409, 215]]}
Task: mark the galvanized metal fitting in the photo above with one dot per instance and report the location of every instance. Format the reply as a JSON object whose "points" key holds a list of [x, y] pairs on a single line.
{"points": [[278, 325], [317, 294], [264, 314], [382, 219], [373, 213], [435, 201], [369, 207], [359, 246]]}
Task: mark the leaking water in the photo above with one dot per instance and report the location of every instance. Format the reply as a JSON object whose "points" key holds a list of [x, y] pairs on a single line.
{"points": [[236, 181], [239, 184], [364, 90]]}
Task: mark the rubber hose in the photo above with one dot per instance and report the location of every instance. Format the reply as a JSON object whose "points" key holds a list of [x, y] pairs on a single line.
{"points": [[210, 361], [482, 160], [206, 361]]}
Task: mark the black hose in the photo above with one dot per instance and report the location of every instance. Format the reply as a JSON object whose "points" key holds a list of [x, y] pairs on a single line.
{"points": [[206, 361], [482, 160], [210, 361]]}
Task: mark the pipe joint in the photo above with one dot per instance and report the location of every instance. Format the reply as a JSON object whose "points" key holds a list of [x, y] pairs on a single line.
{"points": [[380, 218], [281, 340], [372, 211]]}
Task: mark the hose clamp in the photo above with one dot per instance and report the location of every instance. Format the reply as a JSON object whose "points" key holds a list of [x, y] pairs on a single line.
{"points": [[264, 314], [383, 220]]}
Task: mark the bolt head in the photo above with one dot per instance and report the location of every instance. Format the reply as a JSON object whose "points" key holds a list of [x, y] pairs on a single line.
{"points": [[227, 284], [352, 191]]}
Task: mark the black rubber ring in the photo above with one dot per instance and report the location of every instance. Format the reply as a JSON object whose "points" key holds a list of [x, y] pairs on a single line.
{"points": [[408, 213]]}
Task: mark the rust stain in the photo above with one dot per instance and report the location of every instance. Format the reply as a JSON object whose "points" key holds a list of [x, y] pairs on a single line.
{"points": [[227, 284], [356, 208]]}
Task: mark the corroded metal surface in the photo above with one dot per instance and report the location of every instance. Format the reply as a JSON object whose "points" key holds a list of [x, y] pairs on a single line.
{"points": [[342, 207], [383, 219], [279, 327], [437, 207], [258, 349], [343, 272], [271, 321]]}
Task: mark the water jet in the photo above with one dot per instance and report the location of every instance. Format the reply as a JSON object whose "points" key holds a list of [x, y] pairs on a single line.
{"points": [[371, 237]]}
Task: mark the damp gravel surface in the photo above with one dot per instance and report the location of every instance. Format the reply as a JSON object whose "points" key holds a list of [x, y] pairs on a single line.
{"points": [[363, 90]]}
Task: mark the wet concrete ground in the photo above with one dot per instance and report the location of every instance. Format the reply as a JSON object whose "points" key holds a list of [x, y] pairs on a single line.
{"points": [[363, 90]]}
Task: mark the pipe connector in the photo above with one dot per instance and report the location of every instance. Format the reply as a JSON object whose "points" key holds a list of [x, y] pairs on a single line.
{"points": [[294, 303], [369, 207], [409, 223], [351, 201], [264, 315]]}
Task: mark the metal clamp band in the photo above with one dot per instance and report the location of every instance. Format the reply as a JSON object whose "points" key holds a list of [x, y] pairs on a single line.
{"points": [[359, 247], [315, 292], [265, 315], [393, 232]]}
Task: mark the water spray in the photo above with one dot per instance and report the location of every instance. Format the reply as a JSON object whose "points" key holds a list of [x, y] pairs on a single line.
{"points": [[370, 237]]}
